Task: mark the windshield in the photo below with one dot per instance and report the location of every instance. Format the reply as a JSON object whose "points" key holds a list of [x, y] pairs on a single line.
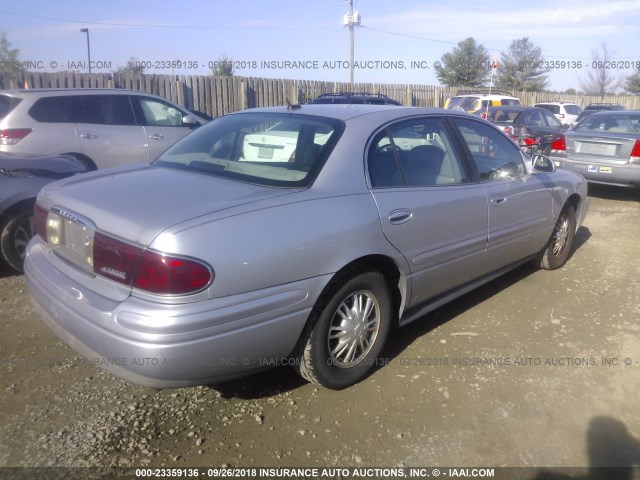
{"points": [[270, 149], [610, 123]]}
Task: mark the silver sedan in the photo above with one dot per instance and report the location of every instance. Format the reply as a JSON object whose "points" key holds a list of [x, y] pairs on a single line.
{"points": [[224, 256], [604, 148]]}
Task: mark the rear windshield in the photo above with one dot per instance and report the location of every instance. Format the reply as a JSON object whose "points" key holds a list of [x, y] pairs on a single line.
{"points": [[610, 124], [551, 108], [463, 103], [503, 116], [279, 150], [7, 103], [572, 109], [511, 102]]}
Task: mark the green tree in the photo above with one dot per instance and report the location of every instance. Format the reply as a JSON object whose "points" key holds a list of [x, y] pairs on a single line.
{"points": [[8, 56], [223, 67], [632, 84], [468, 65], [521, 67], [133, 66]]}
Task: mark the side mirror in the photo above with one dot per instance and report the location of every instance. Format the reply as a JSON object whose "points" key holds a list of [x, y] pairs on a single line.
{"points": [[542, 164], [190, 121]]}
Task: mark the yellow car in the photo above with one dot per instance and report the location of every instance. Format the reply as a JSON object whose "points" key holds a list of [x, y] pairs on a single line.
{"points": [[473, 100]]}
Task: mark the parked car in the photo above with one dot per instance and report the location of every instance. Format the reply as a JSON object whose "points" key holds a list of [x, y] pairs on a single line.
{"points": [[598, 107], [532, 128], [604, 148], [566, 112], [21, 178], [207, 266], [473, 100], [355, 98], [100, 127]]}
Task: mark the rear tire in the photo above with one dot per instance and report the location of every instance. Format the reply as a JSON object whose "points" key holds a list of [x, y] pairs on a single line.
{"points": [[557, 251], [15, 234], [349, 327]]}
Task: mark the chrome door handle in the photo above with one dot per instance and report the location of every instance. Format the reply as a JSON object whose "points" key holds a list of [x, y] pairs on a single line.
{"points": [[88, 135], [400, 216], [497, 200], [156, 136]]}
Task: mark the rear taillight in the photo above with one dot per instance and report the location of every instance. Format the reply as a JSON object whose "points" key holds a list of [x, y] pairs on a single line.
{"points": [[114, 259], [559, 144], [166, 274], [634, 158], [528, 141], [508, 131], [127, 264], [147, 270], [11, 136]]}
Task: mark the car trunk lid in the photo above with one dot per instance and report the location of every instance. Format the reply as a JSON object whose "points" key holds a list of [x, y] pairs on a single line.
{"points": [[136, 204], [613, 149]]}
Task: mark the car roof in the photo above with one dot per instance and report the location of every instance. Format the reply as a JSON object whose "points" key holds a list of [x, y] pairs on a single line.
{"points": [[346, 111], [45, 92], [58, 90], [555, 103], [609, 113], [510, 108]]}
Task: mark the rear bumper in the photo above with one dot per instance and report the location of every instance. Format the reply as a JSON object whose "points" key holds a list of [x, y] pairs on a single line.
{"points": [[599, 172], [166, 346]]}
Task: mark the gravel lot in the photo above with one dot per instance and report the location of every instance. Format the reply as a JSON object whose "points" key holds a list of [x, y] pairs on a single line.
{"points": [[528, 371]]}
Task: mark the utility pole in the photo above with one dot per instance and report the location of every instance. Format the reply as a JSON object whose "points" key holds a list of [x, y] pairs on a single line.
{"points": [[86, 30], [351, 20]]}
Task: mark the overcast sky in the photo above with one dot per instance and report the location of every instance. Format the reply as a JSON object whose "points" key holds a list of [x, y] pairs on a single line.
{"points": [[397, 42]]}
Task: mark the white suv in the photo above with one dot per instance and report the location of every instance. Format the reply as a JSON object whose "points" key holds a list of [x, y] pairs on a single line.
{"points": [[566, 112], [101, 127]]}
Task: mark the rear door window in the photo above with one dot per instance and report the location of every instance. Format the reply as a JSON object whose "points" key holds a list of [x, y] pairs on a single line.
{"points": [[62, 109], [107, 110], [414, 153]]}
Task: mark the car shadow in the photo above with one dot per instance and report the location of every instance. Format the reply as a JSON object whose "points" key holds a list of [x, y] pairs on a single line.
{"points": [[582, 236], [609, 192], [403, 337], [261, 385], [6, 271], [614, 454]]}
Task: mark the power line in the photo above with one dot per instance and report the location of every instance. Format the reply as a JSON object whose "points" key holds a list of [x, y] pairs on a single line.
{"points": [[134, 25], [499, 50]]}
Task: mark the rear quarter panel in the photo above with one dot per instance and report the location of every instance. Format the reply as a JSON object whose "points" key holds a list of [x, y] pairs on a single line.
{"points": [[281, 243]]}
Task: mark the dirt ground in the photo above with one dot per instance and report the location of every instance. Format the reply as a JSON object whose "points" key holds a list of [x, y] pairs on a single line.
{"points": [[536, 369]]}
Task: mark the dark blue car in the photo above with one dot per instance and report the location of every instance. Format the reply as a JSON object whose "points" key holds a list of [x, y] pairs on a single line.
{"points": [[21, 178]]}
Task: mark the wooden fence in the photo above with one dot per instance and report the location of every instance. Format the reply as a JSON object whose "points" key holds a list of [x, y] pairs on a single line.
{"points": [[217, 96]]}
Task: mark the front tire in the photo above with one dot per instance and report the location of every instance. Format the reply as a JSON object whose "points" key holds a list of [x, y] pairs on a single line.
{"points": [[349, 327], [557, 251], [15, 234]]}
